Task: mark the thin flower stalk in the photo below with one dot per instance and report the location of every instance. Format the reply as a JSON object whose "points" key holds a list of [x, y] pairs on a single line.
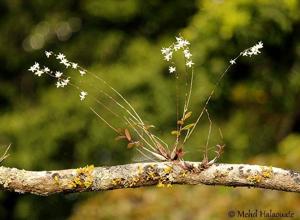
{"points": [[247, 52]]}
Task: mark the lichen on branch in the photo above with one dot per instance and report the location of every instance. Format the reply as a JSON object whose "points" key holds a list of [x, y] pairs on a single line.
{"points": [[160, 174]]}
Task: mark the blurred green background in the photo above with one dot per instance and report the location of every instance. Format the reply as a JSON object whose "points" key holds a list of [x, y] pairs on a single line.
{"points": [[257, 105]]}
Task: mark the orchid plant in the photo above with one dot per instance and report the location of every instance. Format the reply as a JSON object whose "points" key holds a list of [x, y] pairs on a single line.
{"points": [[137, 133]]}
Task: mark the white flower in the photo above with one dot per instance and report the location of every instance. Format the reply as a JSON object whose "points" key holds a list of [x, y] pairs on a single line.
{"points": [[65, 82], [58, 84], [31, 69], [39, 72], [181, 43], [60, 56], [82, 95], [46, 70], [187, 54], [179, 39], [253, 50], [62, 82], [34, 67], [168, 56], [74, 65], [185, 43], [232, 62], [172, 69], [189, 63], [165, 51], [65, 62], [82, 72], [58, 74], [48, 53], [177, 47], [260, 45]]}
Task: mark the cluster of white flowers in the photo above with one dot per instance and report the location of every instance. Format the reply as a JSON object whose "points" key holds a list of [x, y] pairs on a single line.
{"points": [[248, 52], [61, 80], [63, 60], [253, 50], [36, 69], [180, 44]]}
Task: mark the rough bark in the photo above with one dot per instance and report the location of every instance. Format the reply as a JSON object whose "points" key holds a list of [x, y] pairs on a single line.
{"points": [[162, 174]]}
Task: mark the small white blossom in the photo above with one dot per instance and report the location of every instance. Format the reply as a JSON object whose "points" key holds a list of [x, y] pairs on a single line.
{"points": [[65, 82], [189, 63], [48, 53], [232, 62], [60, 56], [181, 43], [62, 82], [165, 51], [185, 43], [179, 39], [82, 72], [168, 56], [31, 69], [46, 70], [187, 54], [58, 74], [39, 72], [253, 50], [74, 65], [172, 69], [177, 47], [65, 62], [58, 84], [34, 67], [82, 95]]}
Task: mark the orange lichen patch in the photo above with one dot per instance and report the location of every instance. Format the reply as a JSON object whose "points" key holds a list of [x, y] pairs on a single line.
{"points": [[162, 185], [151, 175], [140, 170], [83, 178], [267, 172], [183, 174], [168, 169], [255, 178], [116, 181], [133, 181], [56, 179]]}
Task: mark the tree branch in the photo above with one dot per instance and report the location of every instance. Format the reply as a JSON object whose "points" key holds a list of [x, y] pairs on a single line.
{"points": [[146, 174]]}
